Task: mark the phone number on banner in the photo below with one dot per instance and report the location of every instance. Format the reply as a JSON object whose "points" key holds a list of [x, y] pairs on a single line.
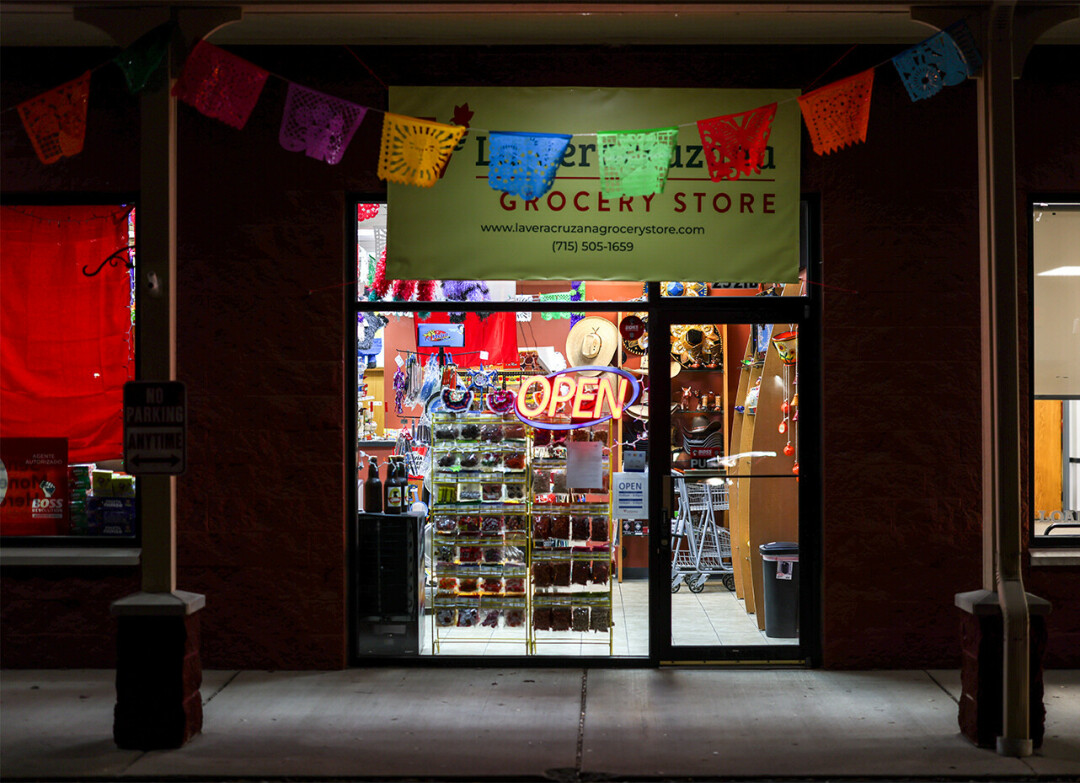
{"points": [[563, 246]]}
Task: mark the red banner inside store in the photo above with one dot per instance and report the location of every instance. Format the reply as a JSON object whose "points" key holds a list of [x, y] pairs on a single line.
{"points": [[66, 341]]}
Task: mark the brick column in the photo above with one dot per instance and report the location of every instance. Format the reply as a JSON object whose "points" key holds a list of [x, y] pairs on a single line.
{"points": [[981, 673], [158, 670]]}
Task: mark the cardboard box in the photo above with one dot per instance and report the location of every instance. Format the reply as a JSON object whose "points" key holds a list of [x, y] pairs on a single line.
{"points": [[111, 516]]}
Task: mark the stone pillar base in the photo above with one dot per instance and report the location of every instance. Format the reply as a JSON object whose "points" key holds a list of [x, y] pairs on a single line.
{"points": [[158, 670], [981, 669]]}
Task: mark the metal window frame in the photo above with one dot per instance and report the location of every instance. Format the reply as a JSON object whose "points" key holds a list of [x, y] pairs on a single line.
{"points": [[805, 310]]}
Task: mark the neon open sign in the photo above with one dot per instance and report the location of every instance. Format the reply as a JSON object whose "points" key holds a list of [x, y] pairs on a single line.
{"points": [[585, 398]]}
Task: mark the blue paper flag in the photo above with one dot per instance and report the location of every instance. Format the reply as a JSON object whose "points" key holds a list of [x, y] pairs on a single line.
{"points": [[965, 41], [927, 67], [524, 164]]}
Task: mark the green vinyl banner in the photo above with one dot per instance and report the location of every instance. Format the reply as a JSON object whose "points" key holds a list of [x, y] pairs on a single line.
{"points": [[741, 230]]}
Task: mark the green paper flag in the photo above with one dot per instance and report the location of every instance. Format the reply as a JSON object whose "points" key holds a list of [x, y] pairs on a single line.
{"points": [[635, 163], [140, 60]]}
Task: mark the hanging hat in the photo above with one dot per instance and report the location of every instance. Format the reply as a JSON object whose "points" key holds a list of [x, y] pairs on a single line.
{"points": [[640, 409], [674, 367], [694, 345], [592, 341], [639, 345]]}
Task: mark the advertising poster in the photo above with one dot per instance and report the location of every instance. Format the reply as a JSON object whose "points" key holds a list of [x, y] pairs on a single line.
{"points": [[33, 486], [742, 230]]}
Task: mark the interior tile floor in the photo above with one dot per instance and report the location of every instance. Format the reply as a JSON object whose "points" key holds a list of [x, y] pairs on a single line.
{"points": [[715, 616]]}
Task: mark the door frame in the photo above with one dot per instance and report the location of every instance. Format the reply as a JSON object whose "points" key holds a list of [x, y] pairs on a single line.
{"points": [[806, 312]]}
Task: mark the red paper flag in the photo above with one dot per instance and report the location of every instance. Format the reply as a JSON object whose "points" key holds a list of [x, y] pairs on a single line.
{"points": [[55, 121], [219, 84], [735, 143], [837, 114]]}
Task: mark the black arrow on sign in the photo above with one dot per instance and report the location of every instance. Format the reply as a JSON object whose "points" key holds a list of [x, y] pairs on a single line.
{"points": [[172, 461]]}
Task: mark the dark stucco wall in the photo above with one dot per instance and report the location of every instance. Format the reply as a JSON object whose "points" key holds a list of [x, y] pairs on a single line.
{"points": [[262, 506]]}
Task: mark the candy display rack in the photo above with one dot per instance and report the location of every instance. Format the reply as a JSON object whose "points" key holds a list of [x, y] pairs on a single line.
{"points": [[570, 558], [480, 537]]}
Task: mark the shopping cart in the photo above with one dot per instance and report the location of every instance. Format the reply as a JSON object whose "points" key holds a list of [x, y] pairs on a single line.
{"points": [[700, 547]]}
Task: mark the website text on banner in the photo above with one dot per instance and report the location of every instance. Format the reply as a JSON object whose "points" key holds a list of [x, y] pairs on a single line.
{"points": [[739, 230]]}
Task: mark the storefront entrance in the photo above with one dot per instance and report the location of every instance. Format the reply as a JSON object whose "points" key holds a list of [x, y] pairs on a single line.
{"points": [[738, 437], [576, 471]]}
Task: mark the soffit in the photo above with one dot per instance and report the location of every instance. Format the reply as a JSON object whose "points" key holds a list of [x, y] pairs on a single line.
{"points": [[46, 23]]}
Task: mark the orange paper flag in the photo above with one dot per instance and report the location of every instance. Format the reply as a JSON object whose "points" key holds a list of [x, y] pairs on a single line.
{"points": [[837, 114], [55, 121]]}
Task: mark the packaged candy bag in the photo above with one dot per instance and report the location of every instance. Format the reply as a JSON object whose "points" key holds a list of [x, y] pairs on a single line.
{"points": [[543, 575], [601, 570], [560, 618], [561, 575], [581, 572]]}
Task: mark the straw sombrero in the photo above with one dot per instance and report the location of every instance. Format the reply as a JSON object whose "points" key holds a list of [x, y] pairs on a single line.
{"points": [[592, 341]]}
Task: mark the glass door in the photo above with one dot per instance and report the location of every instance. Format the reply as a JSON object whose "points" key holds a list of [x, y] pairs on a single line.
{"points": [[733, 430]]}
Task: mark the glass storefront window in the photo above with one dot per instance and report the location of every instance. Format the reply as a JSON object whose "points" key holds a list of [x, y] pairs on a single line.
{"points": [[1056, 383], [68, 347], [523, 552], [516, 428]]}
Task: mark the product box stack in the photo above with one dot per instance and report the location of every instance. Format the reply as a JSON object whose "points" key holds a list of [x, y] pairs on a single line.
{"points": [[79, 490], [111, 506]]}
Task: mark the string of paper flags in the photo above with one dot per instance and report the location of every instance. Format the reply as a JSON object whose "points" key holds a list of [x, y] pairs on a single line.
{"points": [[415, 151]]}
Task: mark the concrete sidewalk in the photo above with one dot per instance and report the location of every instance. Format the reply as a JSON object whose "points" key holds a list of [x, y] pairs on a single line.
{"points": [[564, 724]]}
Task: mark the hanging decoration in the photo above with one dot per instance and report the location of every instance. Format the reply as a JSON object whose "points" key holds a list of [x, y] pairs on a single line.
{"points": [[787, 347], [576, 294], [837, 114], [524, 164], [414, 152], [399, 391], [928, 67], [380, 285], [142, 59], [55, 121], [735, 143], [635, 163], [320, 125], [403, 290], [577, 288], [371, 323], [465, 291], [366, 211], [425, 290], [219, 84]]}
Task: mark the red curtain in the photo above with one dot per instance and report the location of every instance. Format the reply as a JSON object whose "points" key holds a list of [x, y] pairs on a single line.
{"points": [[66, 342], [496, 335]]}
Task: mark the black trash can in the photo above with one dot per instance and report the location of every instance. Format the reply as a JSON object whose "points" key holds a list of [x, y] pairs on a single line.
{"points": [[780, 572]]}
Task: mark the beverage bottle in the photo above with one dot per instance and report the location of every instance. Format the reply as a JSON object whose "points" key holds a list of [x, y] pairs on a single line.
{"points": [[373, 490], [395, 486]]}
